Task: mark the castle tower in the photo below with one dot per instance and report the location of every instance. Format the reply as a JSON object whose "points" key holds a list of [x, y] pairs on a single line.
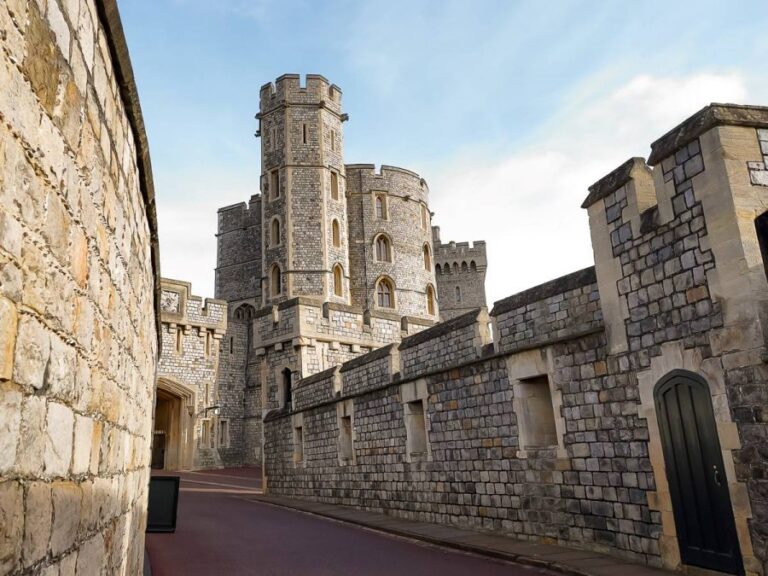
{"points": [[304, 221], [460, 271], [390, 247]]}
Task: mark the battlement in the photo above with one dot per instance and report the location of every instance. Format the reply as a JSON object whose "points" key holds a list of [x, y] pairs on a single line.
{"points": [[390, 178], [240, 215], [180, 307], [289, 89]]}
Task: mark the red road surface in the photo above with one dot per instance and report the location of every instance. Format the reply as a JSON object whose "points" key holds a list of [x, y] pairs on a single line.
{"points": [[220, 532]]}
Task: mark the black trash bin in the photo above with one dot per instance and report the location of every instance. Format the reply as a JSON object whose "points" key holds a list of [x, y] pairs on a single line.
{"points": [[163, 503]]}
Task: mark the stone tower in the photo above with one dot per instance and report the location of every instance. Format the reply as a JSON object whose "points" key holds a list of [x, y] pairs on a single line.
{"points": [[303, 191], [460, 271]]}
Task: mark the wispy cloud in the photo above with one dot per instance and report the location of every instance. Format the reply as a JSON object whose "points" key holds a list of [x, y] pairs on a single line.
{"points": [[526, 203]]}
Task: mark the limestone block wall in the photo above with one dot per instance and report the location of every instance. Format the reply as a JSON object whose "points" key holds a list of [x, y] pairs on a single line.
{"points": [[189, 358], [460, 269], [406, 223], [78, 280]]}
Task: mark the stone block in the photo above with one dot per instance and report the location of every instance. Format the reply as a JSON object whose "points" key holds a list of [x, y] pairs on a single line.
{"points": [[10, 424], [11, 525], [33, 348], [67, 499], [29, 456], [58, 439], [37, 532]]}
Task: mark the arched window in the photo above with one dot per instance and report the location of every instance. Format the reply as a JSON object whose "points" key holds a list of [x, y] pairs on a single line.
{"points": [[455, 268], [458, 294], [274, 232], [385, 294], [338, 280], [464, 267], [427, 259], [430, 300], [336, 231], [383, 249], [276, 280], [424, 219], [438, 269], [334, 185], [381, 207], [473, 266]]}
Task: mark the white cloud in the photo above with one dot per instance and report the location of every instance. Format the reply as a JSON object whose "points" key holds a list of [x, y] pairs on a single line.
{"points": [[526, 204]]}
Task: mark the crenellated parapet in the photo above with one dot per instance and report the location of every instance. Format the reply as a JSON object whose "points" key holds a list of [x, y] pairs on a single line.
{"points": [[289, 89], [179, 308]]}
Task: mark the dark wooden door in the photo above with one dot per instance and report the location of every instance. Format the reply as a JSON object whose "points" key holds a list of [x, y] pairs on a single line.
{"points": [[701, 502]]}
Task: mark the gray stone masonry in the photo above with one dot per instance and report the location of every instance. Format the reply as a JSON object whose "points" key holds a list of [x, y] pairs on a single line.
{"points": [[679, 285]]}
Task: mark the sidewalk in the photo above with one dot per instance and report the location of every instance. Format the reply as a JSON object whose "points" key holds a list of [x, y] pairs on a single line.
{"points": [[556, 558]]}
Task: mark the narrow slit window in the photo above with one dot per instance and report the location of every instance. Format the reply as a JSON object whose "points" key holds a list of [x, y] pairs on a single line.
{"points": [[416, 430], [304, 133], [336, 233], [338, 281], [274, 239], [345, 439], [276, 280], [298, 445], [334, 185], [430, 301], [274, 184]]}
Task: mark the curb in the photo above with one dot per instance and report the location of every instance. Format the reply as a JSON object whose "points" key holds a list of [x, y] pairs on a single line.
{"points": [[521, 559]]}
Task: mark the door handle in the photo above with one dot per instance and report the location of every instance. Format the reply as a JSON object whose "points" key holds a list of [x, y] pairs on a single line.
{"points": [[716, 476]]}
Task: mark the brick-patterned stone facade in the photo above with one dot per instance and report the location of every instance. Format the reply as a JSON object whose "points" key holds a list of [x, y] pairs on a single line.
{"points": [[192, 330], [330, 261], [553, 430], [78, 265]]}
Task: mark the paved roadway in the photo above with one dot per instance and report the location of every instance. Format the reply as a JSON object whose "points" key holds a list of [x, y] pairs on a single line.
{"points": [[221, 532]]}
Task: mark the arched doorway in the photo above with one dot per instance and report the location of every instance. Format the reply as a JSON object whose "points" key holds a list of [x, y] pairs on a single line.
{"points": [[172, 433], [701, 502]]}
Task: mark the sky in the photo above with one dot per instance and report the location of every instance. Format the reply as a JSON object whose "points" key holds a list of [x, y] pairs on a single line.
{"points": [[509, 109]]}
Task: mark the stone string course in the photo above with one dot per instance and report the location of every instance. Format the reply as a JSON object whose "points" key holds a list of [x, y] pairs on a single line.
{"points": [[670, 290], [78, 339]]}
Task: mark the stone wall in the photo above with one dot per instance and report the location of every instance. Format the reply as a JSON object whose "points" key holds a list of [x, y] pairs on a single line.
{"points": [[552, 432], [78, 281], [192, 329], [460, 269]]}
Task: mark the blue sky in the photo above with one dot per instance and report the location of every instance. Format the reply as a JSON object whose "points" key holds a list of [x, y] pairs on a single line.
{"points": [[508, 109]]}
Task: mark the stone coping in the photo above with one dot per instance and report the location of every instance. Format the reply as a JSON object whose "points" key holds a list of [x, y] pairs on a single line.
{"points": [[371, 356], [565, 283], [316, 377], [611, 181], [705, 119], [109, 16], [440, 329]]}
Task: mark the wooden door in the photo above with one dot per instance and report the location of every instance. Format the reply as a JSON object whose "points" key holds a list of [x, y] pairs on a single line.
{"points": [[701, 502]]}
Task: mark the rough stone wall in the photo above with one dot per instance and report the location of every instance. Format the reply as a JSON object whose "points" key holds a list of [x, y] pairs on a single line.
{"points": [[679, 284], [232, 381], [189, 357], [460, 273], [407, 226], [78, 338], [238, 253]]}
